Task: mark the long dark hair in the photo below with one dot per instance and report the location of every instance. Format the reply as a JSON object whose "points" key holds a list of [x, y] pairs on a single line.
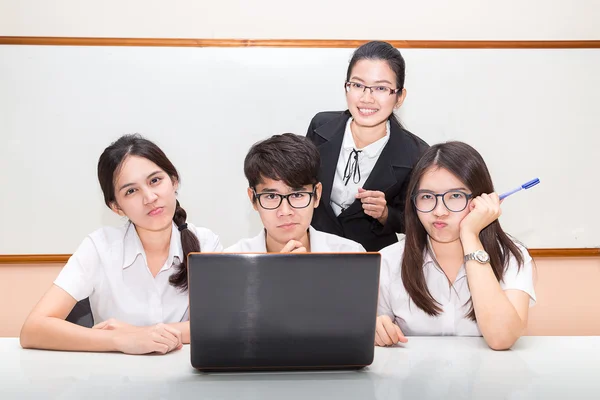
{"points": [[108, 166], [464, 162], [377, 50]]}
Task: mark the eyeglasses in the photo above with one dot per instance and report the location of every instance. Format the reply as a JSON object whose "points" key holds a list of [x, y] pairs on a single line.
{"points": [[454, 200], [271, 201], [359, 88]]}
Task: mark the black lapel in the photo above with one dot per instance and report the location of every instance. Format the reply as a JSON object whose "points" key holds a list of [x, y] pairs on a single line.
{"points": [[383, 176], [333, 134]]}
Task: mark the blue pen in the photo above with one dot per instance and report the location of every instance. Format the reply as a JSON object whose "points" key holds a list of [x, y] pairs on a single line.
{"points": [[526, 185]]}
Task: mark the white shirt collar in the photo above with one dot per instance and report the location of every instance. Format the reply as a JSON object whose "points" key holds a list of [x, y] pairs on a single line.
{"points": [[429, 260], [318, 241], [133, 247], [259, 242], [428, 254], [374, 149], [317, 244]]}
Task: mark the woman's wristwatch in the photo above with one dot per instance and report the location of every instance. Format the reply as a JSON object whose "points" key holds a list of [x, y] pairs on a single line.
{"points": [[480, 256]]}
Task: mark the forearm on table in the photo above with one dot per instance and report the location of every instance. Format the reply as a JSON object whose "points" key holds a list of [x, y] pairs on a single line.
{"points": [[57, 334], [497, 317]]}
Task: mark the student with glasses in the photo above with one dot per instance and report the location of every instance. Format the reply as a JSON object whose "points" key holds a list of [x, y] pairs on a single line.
{"points": [[284, 189], [456, 272], [367, 156]]}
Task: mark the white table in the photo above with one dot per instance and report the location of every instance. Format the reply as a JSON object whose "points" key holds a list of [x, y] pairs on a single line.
{"points": [[425, 368]]}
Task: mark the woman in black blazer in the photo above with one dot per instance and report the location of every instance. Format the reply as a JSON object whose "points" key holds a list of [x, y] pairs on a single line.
{"points": [[366, 154]]}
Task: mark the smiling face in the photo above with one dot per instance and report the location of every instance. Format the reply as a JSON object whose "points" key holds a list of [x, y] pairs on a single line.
{"points": [[284, 223], [145, 194], [373, 109], [441, 224]]}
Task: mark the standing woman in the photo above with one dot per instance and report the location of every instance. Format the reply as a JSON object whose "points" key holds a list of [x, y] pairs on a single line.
{"points": [[366, 155], [134, 276]]}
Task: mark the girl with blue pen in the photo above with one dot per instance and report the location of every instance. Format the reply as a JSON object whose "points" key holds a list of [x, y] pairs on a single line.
{"points": [[456, 272]]}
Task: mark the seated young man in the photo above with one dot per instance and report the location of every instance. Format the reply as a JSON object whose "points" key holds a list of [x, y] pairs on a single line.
{"points": [[284, 188]]}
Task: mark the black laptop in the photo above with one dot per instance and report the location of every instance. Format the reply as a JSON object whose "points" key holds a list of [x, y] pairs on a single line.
{"points": [[259, 311]]}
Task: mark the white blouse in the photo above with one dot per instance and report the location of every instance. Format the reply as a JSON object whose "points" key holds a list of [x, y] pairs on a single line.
{"points": [[344, 194], [453, 321], [110, 268], [320, 242]]}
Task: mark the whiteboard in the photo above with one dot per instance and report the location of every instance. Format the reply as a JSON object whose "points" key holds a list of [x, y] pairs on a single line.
{"points": [[531, 113]]}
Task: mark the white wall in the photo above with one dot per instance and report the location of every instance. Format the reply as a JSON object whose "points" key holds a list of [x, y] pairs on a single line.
{"points": [[306, 19], [530, 113]]}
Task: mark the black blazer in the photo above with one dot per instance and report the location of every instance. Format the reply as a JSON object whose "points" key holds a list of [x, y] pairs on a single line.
{"points": [[390, 175]]}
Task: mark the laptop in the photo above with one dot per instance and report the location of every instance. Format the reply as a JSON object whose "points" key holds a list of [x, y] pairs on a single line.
{"points": [[256, 311]]}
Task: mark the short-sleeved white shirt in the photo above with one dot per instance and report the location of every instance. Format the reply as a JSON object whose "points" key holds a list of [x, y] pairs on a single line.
{"points": [[320, 242], [110, 268], [395, 302]]}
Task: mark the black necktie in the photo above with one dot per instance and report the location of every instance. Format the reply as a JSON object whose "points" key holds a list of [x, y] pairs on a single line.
{"points": [[352, 168]]}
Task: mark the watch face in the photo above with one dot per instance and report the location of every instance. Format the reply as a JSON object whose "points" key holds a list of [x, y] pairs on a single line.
{"points": [[482, 256]]}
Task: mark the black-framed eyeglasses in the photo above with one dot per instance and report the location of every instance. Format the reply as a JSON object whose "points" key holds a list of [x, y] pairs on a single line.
{"points": [[359, 88], [271, 201], [454, 200]]}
